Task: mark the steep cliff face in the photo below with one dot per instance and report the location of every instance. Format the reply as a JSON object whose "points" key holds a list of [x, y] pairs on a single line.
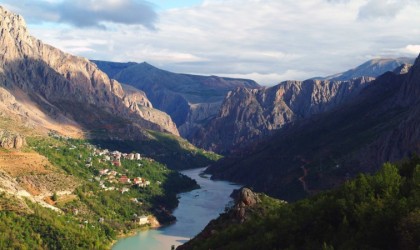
{"points": [[137, 101], [380, 124], [65, 87], [190, 100], [405, 138], [254, 113]]}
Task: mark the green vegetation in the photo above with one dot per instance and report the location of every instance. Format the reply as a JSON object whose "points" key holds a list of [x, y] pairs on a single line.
{"points": [[45, 229], [175, 152], [102, 206], [371, 212]]}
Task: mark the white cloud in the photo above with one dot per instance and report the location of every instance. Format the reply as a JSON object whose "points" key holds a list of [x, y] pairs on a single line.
{"points": [[267, 40], [382, 9], [413, 49]]}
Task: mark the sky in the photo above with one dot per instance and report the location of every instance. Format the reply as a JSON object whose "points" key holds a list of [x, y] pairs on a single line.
{"points": [[265, 40]]}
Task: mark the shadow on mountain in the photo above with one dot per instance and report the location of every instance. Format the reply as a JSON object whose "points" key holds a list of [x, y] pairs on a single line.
{"points": [[75, 98], [323, 151]]}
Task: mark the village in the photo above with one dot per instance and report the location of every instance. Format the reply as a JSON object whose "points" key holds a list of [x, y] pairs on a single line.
{"points": [[112, 170]]}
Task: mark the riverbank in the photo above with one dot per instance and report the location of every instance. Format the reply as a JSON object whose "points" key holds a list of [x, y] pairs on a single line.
{"points": [[196, 208], [154, 223]]}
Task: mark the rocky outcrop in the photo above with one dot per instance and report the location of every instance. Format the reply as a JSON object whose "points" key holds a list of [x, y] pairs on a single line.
{"points": [[190, 100], [10, 140], [247, 115], [245, 199], [67, 88]]}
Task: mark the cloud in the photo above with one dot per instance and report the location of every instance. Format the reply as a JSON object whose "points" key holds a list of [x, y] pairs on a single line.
{"points": [[382, 9], [266, 40], [88, 13], [412, 49]]}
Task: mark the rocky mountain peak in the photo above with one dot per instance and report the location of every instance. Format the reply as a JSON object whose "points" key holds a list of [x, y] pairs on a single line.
{"points": [[410, 90], [15, 38], [63, 85], [257, 113]]}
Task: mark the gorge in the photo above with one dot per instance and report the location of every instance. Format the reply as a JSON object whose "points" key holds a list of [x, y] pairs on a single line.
{"points": [[92, 151]]}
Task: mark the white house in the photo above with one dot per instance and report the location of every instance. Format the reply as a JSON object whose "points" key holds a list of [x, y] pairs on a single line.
{"points": [[137, 156], [143, 220]]}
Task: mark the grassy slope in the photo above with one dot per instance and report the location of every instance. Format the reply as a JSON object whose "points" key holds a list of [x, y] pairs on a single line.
{"points": [[41, 228]]}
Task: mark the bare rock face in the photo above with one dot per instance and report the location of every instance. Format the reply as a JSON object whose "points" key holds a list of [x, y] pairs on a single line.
{"points": [[245, 199], [403, 69], [191, 100], [255, 113], [67, 87], [10, 140], [137, 101]]}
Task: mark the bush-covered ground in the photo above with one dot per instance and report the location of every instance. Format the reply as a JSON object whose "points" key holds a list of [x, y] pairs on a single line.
{"points": [[381, 211]]}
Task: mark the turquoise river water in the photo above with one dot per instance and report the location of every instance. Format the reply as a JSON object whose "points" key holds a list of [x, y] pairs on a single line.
{"points": [[195, 210]]}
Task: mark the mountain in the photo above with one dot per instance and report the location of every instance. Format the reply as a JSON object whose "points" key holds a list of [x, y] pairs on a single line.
{"points": [[45, 88], [371, 68], [248, 115], [191, 100], [381, 124]]}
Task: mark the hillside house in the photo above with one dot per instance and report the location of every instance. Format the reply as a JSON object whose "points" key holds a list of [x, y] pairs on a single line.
{"points": [[124, 190], [116, 155], [142, 220], [124, 179], [113, 173], [103, 171], [137, 156], [137, 180], [130, 157], [134, 200]]}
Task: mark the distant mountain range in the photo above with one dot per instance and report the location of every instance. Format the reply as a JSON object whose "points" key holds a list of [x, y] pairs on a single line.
{"points": [[191, 100], [255, 114], [381, 123], [371, 68], [224, 114]]}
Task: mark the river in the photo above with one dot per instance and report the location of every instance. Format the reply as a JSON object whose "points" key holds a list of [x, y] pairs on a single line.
{"points": [[195, 210]]}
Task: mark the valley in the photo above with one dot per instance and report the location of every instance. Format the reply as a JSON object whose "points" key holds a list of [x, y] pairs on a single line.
{"points": [[98, 154]]}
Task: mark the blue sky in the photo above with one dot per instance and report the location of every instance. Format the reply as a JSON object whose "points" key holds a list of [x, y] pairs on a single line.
{"points": [[170, 4], [265, 40]]}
